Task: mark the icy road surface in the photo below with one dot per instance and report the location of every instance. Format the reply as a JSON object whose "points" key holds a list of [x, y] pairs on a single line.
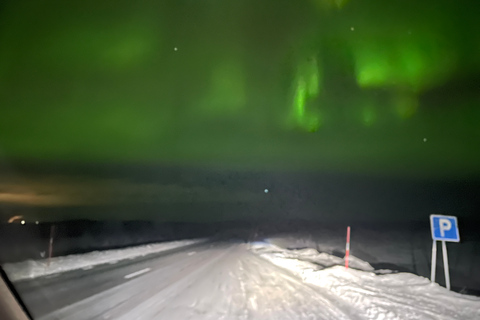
{"points": [[259, 281]]}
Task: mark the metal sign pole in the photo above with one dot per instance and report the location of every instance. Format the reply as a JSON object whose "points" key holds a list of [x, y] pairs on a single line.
{"points": [[445, 265], [434, 261]]}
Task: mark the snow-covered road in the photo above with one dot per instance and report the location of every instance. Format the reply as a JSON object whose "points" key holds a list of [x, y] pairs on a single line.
{"points": [[223, 282], [239, 281]]}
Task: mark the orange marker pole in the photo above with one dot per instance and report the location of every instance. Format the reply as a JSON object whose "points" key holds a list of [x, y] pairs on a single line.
{"points": [[347, 248]]}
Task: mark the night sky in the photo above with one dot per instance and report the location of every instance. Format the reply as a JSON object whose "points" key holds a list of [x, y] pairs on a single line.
{"points": [[381, 89]]}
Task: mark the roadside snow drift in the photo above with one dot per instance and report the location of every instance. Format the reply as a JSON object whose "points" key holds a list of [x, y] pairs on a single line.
{"points": [[37, 268], [372, 295]]}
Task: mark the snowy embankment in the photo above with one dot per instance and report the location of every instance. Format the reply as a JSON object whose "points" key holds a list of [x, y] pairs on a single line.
{"points": [[37, 268], [373, 294]]}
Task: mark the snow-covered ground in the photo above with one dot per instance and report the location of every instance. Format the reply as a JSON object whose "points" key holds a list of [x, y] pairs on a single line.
{"points": [[233, 281], [373, 295], [307, 258], [400, 248], [37, 268]]}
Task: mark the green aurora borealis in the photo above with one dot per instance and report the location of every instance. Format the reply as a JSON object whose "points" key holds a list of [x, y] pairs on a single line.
{"points": [[388, 88]]}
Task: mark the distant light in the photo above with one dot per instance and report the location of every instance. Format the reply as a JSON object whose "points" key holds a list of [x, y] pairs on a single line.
{"points": [[22, 222], [266, 190], [36, 222], [175, 48], [424, 139], [352, 28]]}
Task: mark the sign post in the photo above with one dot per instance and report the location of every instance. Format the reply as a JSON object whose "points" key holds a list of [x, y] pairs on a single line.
{"points": [[434, 261], [444, 228], [445, 265]]}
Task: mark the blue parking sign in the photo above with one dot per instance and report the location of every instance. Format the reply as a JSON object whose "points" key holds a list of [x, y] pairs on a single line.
{"points": [[444, 228]]}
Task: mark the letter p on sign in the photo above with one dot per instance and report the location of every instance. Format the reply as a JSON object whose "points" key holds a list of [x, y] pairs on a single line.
{"points": [[444, 228], [445, 225]]}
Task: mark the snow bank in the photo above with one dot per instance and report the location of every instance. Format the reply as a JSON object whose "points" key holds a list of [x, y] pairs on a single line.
{"points": [[37, 268], [372, 295], [308, 256]]}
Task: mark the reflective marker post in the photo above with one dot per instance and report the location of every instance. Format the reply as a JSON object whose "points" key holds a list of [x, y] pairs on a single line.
{"points": [[50, 245], [347, 248], [444, 228]]}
